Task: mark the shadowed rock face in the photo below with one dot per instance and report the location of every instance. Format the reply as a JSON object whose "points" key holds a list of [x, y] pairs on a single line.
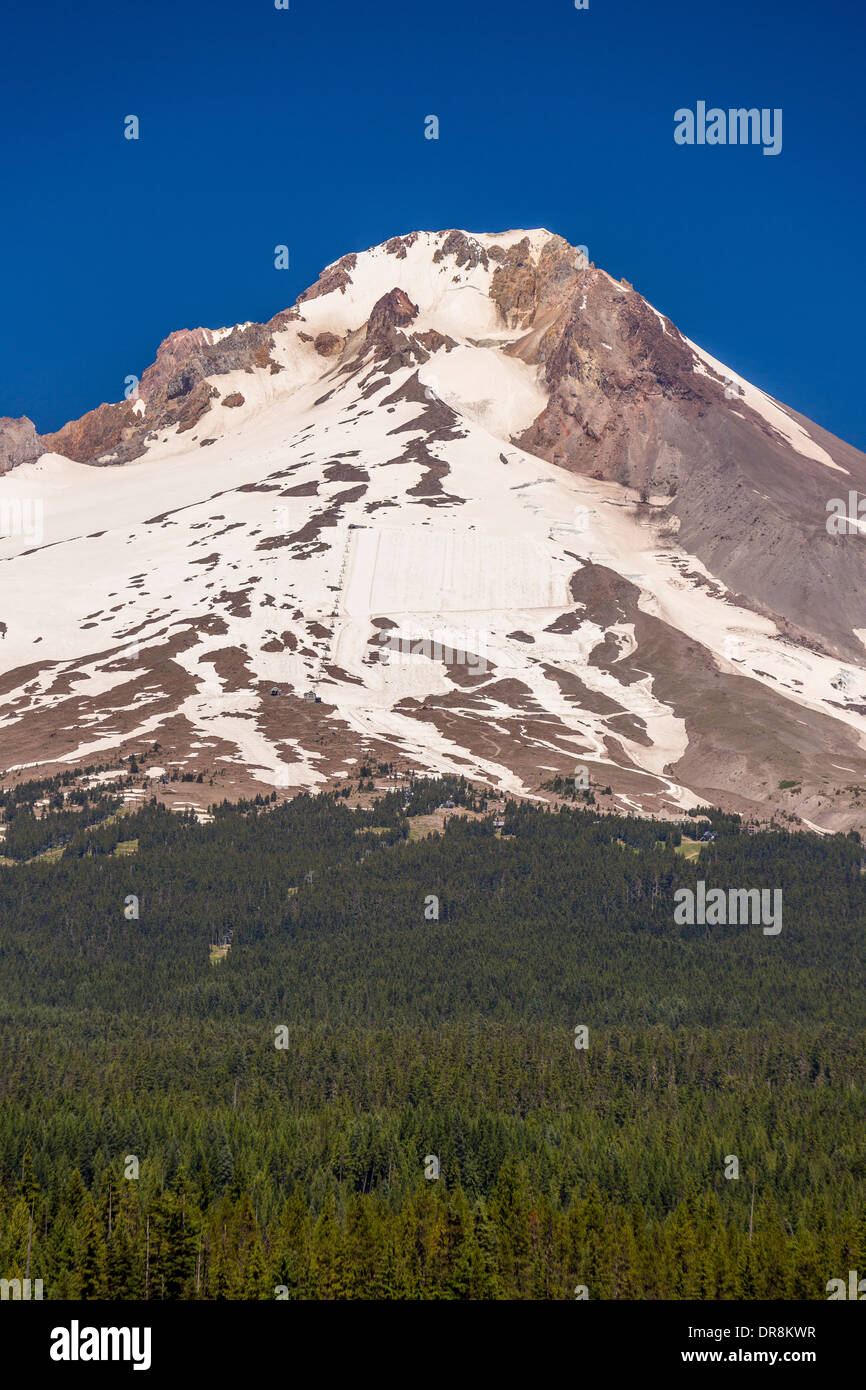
{"points": [[173, 354], [628, 402]]}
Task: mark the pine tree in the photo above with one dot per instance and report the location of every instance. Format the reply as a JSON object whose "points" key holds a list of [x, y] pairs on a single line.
{"points": [[90, 1263]]}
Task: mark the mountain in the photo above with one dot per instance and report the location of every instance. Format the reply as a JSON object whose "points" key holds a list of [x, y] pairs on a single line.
{"points": [[471, 506]]}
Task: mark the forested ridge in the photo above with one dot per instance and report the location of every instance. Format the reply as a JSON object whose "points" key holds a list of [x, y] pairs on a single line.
{"points": [[298, 1169]]}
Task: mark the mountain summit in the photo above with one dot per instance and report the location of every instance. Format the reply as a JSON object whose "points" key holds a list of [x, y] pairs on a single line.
{"points": [[470, 505]]}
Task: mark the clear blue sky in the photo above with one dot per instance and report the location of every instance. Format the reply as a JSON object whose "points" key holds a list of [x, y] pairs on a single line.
{"points": [[306, 127]]}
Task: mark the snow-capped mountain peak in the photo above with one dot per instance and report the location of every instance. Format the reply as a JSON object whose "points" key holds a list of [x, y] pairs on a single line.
{"points": [[470, 505]]}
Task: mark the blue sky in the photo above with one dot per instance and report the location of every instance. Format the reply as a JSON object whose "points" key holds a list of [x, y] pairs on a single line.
{"points": [[305, 127]]}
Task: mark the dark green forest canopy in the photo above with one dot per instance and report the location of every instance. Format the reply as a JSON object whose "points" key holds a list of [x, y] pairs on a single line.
{"points": [[410, 1035]]}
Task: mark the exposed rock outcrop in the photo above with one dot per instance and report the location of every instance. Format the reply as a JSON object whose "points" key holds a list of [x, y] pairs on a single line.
{"points": [[394, 310], [173, 393], [333, 277], [513, 286], [328, 344], [19, 442], [467, 252]]}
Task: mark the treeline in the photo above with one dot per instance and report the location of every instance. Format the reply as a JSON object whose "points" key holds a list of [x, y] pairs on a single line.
{"points": [[28, 835], [62, 784], [386, 1002], [182, 1242]]}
